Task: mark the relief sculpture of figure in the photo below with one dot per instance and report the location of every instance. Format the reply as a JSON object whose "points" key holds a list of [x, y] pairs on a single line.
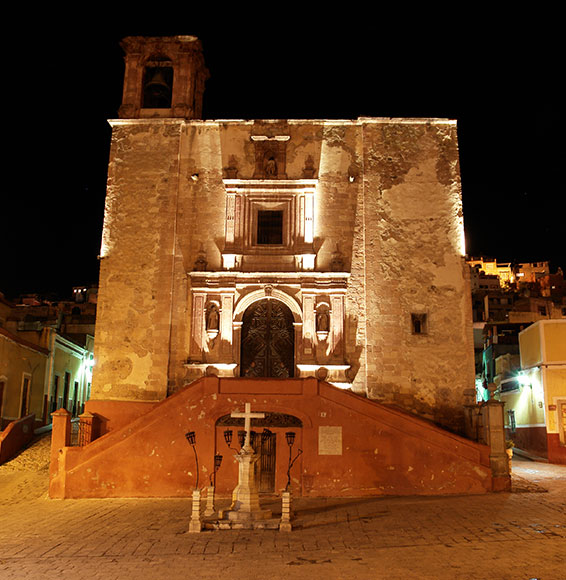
{"points": [[212, 319], [322, 322]]}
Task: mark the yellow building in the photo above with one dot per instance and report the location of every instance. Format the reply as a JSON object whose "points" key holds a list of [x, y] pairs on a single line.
{"points": [[41, 368], [536, 406], [22, 375]]}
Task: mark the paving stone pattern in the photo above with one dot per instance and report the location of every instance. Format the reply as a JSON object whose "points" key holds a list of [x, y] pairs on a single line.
{"points": [[514, 536]]}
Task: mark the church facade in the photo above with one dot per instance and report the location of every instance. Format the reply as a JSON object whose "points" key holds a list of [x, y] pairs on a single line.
{"points": [[267, 250]]}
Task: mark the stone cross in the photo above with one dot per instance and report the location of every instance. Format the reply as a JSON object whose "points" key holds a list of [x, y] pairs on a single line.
{"points": [[248, 416]]}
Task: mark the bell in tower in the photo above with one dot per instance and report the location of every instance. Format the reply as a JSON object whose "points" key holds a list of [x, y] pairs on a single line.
{"points": [[164, 77], [157, 87]]}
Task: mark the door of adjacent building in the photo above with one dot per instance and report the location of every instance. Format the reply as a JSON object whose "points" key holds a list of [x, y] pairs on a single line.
{"points": [[268, 341]]}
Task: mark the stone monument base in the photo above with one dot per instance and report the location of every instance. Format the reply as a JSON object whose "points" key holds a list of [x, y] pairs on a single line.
{"points": [[235, 515], [268, 523], [237, 520]]}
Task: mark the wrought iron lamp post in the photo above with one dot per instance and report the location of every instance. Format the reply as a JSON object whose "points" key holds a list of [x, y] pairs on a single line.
{"points": [[290, 437], [195, 524], [191, 438], [217, 464]]}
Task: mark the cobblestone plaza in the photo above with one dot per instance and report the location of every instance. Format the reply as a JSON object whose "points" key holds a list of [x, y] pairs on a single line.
{"points": [[514, 536]]}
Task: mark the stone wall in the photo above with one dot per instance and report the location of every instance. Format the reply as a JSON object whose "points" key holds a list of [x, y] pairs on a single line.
{"points": [[134, 302], [387, 203], [415, 265]]}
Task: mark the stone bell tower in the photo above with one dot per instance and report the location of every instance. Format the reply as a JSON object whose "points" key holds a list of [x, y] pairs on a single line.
{"points": [[164, 77]]}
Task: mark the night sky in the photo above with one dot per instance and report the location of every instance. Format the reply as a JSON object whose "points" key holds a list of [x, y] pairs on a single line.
{"points": [[289, 68]]}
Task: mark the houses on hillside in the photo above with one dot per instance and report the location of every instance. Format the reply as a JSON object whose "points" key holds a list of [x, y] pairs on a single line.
{"points": [[519, 313]]}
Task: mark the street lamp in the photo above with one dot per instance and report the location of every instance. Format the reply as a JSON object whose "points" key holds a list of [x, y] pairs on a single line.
{"points": [[217, 464], [228, 437], [191, 438], [290, 437]]}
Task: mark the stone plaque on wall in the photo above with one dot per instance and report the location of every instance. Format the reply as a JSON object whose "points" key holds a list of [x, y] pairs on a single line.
{"points": [[329, 440]]}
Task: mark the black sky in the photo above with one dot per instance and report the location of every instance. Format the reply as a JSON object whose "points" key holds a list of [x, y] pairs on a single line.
{"points": [[487, 77]]}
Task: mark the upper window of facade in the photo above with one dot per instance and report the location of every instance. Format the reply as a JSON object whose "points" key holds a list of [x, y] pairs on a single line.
{"points": [[269, 227]]}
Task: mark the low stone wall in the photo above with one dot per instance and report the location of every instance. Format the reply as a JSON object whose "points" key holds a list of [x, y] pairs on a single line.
{"points": [[16, 435]]}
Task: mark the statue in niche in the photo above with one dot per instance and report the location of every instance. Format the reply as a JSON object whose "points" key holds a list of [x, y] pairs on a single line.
{"points": [[322, 321], [271, 167], [212, 318]]}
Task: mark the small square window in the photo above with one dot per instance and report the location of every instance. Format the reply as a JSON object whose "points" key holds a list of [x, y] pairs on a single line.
{"points": [[270, 227], [419, 323]]}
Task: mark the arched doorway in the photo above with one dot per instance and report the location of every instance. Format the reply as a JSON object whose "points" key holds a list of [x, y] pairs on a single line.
{"points": [[268, 340]]}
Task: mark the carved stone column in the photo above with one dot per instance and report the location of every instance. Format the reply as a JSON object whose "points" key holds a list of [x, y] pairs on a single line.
{"points": [[337, 327], [309, 327], [226, 334], [197, 326]]}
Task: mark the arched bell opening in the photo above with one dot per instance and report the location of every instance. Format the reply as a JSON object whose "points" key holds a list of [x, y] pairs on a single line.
{"points": [[157, 84]]}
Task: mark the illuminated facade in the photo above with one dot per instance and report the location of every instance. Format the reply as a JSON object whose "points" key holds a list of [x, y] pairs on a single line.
{"points": [[490, 267], [508, 273], [277, 248]]}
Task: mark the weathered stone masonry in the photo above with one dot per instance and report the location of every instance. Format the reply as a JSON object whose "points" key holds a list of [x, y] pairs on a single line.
{"points": [[386, 244]]}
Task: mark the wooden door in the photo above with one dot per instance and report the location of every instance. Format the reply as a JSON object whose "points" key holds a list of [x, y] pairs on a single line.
{"points": [[268, 345]]}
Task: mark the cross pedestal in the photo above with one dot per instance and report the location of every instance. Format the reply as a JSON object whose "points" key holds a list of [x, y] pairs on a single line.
{"points": [[245, 497]]}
